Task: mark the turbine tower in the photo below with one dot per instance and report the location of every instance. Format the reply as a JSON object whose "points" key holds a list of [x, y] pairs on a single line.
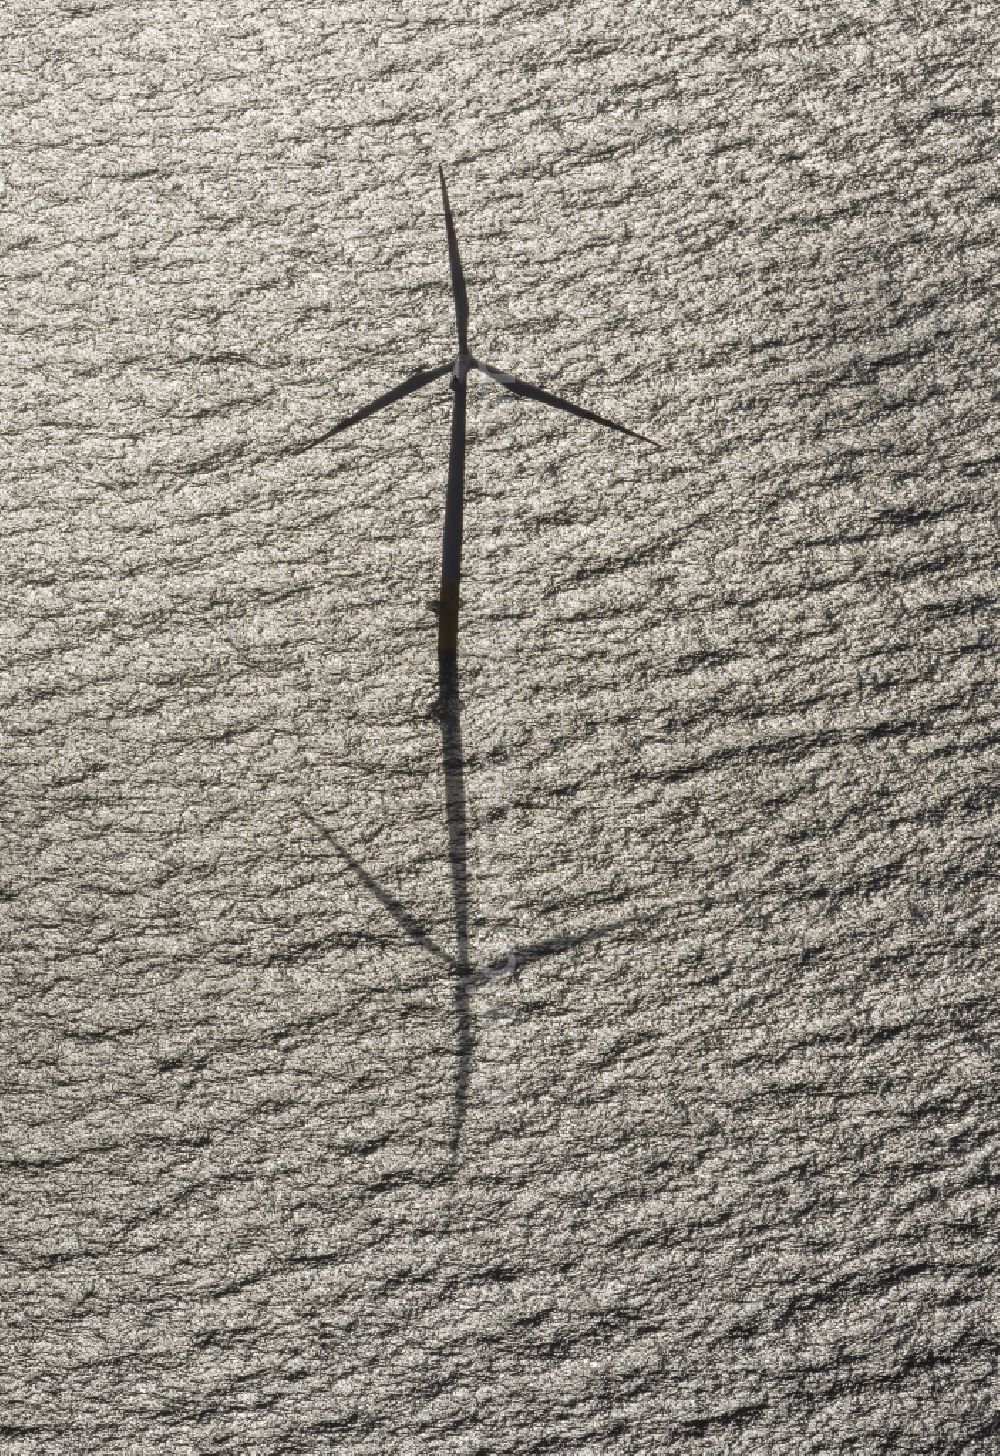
{"points": [[458, 368]]}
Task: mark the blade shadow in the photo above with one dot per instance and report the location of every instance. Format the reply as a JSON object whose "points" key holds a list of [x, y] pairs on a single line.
{"points": [[506, 968], [407, 922]]}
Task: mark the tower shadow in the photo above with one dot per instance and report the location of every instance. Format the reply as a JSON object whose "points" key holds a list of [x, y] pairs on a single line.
{"points": [[449, 710]]}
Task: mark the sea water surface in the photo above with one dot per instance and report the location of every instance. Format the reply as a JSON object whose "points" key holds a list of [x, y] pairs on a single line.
{"points": [[593, 1051]]}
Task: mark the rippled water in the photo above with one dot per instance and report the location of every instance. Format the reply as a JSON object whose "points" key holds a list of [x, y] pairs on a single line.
{"points": [[590, 1053]]}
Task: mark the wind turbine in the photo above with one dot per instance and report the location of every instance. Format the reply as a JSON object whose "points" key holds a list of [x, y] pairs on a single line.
{"points": [[458, 368]]}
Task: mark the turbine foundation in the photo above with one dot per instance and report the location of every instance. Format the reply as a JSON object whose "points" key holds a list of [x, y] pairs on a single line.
{"points": [[448, 621]]}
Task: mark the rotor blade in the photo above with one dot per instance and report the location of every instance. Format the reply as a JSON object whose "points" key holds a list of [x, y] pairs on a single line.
{"points": [[457, 276], [399, 391], [531, 391]]}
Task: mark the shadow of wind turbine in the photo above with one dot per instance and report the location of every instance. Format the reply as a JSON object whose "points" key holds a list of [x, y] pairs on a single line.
{"points": [[466, 979]]}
